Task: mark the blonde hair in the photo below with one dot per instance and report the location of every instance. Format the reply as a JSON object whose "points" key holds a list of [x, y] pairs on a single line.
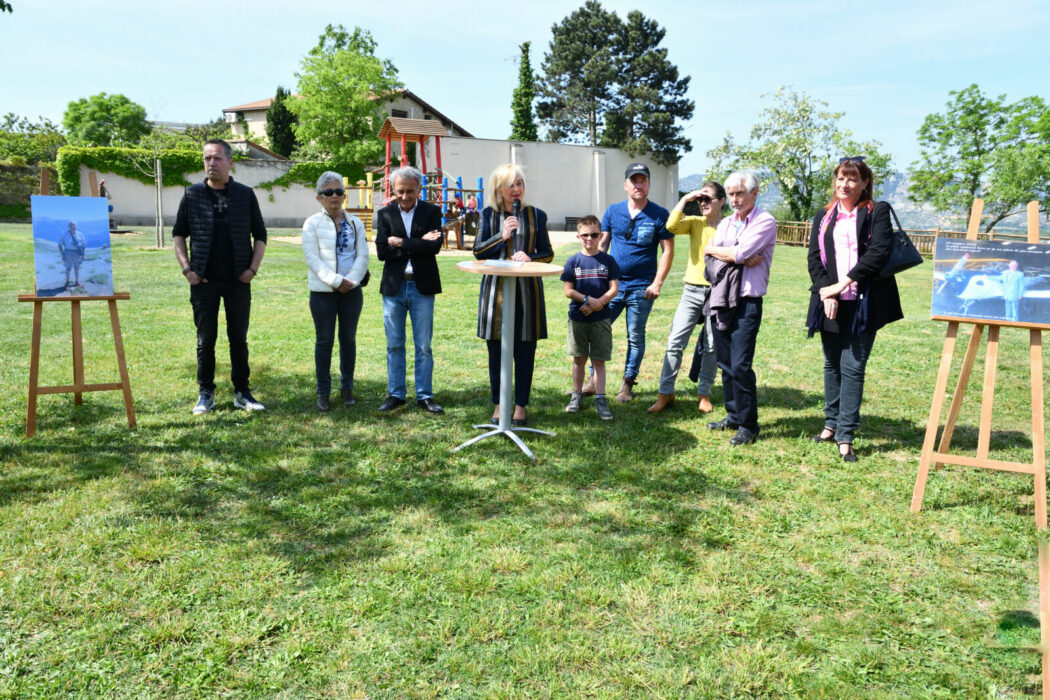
{"points": [[503, 176]]}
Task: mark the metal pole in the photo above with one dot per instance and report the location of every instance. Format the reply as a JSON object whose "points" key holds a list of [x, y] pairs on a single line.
{"points": [[159, 187]]}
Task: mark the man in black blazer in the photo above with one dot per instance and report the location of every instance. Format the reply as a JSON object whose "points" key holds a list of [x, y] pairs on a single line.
{"points": [[407, 239]]}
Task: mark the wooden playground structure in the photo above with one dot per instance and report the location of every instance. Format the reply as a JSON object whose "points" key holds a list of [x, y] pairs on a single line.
{"points": [[460, 215]]}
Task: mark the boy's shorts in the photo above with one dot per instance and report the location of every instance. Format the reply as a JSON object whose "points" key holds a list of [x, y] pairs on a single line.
{"points": [[591, 339]]}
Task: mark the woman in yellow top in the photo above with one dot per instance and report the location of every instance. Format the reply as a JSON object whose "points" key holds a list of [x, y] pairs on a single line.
{"points": [[701, 230]]}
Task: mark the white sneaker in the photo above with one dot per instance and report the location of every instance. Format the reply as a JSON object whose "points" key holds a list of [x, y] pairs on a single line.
{"points": [[205, 403], [245, 400]]}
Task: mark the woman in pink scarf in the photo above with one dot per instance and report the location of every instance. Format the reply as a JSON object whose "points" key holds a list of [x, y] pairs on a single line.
{"points": [[849, 245]]}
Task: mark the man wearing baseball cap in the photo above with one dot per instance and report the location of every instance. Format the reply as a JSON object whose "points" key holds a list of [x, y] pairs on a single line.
{"points": [[632, 231]]}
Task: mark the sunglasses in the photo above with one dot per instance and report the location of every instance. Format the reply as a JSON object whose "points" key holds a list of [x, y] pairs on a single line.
{"points": [[851, 159], [329, 193], [704, 199], [588, 235]]}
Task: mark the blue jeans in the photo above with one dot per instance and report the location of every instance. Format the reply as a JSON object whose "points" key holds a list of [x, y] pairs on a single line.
{"points": [[845, 359], [638, 308], [687, 317], [327, 308], [420, 307], [735, 350]]}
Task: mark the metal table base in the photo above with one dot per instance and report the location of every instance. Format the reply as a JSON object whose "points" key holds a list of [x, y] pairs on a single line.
{"points": [[506, 385]]}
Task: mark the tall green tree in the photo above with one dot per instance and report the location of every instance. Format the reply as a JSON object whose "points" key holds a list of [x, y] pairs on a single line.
{"points": [[797, 143], [34, 142], [5, 6], [105, 120], [650, 101], [341, 85], [983, 147], [579, 73], [280, 124], [523, 126], [607, 81]]}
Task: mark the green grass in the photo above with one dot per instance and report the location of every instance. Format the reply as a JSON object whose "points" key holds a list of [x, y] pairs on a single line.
{"points": [[291, 554]]}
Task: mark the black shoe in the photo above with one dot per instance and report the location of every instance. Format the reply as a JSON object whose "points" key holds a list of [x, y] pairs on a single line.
{"points": [[429, 405], [743, 437], [519, 422], [348, 398], [322, 403], [391, 403], [849, 455], [724, 424]]}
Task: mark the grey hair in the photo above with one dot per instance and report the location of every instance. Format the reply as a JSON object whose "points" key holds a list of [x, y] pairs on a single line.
{"points": [[328, 176], [748, 180], [407, 173]]}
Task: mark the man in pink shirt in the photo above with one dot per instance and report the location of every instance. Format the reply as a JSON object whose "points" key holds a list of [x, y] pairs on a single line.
{"points": [[748, 232]]}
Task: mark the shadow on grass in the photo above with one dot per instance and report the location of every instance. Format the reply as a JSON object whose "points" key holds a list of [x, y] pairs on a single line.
{"points": [[320, 490]]}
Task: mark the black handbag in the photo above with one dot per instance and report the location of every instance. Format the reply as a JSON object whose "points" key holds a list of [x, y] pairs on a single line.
{"points": [[903, 255]]}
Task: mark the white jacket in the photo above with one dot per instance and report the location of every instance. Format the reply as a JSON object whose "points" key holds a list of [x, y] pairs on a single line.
{"points": [[319, 236]]}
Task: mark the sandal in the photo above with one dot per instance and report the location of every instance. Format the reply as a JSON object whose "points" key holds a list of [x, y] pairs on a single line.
{"points": [[826, 435], [849, 455]]}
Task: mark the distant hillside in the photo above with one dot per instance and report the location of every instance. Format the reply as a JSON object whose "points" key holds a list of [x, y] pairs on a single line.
{"points": [[894, 190]]}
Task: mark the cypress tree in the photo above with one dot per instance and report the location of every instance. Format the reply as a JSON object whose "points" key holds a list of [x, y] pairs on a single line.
{"points": [[523, 126], [280, 124]]}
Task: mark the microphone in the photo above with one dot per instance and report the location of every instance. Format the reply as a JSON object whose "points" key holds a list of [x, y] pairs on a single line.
{"points": [[516, 241]]}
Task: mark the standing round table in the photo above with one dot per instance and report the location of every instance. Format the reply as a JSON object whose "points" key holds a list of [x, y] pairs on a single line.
{"points": [[507, 270]]}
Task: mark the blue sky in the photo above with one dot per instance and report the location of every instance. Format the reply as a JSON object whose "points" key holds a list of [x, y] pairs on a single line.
{"points": [[886, 64], [51, 217]]}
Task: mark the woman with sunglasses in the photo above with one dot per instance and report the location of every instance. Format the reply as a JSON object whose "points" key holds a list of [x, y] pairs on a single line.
{"points": [[511, 230], [711, 198], [336, 253], [849, 245]]}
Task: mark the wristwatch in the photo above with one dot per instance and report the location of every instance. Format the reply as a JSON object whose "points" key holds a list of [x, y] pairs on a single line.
{"points": [[185, 270]]}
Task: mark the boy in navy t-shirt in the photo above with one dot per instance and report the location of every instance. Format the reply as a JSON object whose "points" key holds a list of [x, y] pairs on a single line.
{"points": [[591, 280]]}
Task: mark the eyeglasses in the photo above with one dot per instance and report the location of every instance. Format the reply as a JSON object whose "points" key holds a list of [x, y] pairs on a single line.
{"points": [[588, 235], [851, 159], [329, 193], [704, 199]]}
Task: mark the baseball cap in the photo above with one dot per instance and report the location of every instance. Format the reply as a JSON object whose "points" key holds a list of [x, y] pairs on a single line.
{"points": [[636, 168]]}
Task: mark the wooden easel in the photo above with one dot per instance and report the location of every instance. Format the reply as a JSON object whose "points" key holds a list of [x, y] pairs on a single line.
{"points": [[1037, 467], [78, 387]]}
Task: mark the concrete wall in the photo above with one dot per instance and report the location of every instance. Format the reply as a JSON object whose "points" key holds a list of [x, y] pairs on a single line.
{"points": [[561, 179], [133, 201]]}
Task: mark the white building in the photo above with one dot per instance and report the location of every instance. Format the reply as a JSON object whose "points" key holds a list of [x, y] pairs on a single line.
{"points": [[404, 103]]}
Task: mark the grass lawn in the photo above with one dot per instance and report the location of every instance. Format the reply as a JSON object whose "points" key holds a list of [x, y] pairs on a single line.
{"points": [[293, 554]]}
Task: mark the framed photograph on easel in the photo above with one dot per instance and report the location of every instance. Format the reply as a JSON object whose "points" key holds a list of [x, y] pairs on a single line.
{"points": [[997, 281], [71, 248]]}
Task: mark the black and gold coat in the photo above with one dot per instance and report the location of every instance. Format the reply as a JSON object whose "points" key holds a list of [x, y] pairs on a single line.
{"points": [[489, 245]]}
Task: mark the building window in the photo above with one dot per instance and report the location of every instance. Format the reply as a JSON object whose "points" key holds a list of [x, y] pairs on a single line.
{"points": [[398, 113]]}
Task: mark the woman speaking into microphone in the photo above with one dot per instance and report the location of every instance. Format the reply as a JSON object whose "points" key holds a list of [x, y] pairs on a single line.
{"points": [[511, 230]]}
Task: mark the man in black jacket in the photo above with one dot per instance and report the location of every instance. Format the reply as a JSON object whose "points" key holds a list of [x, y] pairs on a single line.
{"points": [[222, 219], [408, 237]]}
